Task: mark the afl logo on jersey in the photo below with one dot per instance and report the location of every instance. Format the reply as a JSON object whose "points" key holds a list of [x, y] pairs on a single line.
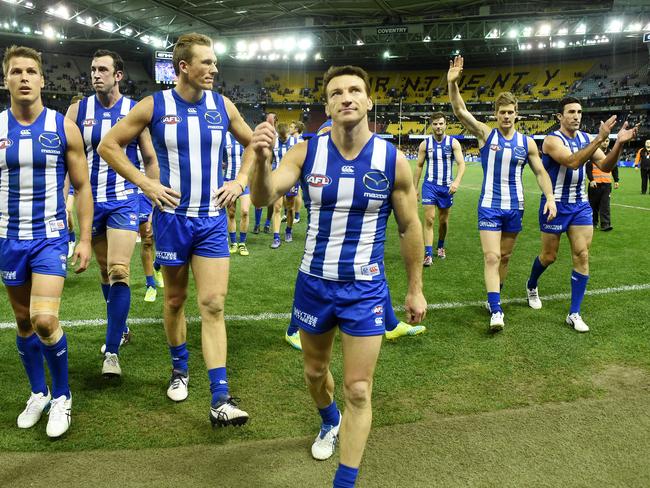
{"points": [[375, 181], [495, 147], [5, 143], [318, 181], [50, 140], [89, 122], [519, 152], [212, 117], [170, 119]]}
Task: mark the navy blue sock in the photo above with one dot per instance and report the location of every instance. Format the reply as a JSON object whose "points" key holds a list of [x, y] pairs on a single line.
{"points": [[156, 266], [218, 384], [391, 318], [117, 310], [288, 230], [233, 237], [57, 360], [276, 236], [150, 281], [292, 329], [297, 216], [258, 216], [242, 237], [441, 243], [267, 223], [330, 414], [494, 299], [72, 237], [535, 272], [578, 288], [105, 289], [345, 476], [428, 250], [31, 354], [180, 355]]}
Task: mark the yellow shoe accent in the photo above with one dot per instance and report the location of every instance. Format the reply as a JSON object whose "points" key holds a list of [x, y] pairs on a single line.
{"points": [[293, 340], [243, 250], [158, 276], [404, 329], [150, 294], [234, 248]]}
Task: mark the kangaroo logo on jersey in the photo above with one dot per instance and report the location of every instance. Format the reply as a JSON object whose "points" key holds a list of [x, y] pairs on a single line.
{"points": [[375, 181], [318, 181], [519, 152], [50, 140], [212, 117], [89, 122], [170, 119], [5, 143]]}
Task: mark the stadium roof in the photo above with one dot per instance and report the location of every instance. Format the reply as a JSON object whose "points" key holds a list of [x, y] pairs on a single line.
{"points": [[339, 30]]}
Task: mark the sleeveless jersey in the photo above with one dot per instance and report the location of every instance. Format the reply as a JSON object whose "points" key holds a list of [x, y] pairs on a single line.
{"points": [[94, 121], [281, 148], [232, 151], [189, 140], [503, 161], [32, 174], [439, 159], [348, 204], [568, 184]]}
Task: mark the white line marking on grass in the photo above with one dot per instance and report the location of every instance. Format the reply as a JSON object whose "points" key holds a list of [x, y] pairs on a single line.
{"points": [[630, 206], [286, 316]]}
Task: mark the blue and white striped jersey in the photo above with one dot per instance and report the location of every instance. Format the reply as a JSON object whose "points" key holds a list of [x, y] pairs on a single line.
{"points": [[94, 120], [503, 161], [348, 204], [281, 148], [439, 158], [189, 140], [232, 152], [568, 184], [32, 173]]}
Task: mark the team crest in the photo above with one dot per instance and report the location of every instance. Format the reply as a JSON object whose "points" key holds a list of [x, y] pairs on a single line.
{"points": [[5, 143], [50, 140], [170, 119], [212, 117], [318, 181]]}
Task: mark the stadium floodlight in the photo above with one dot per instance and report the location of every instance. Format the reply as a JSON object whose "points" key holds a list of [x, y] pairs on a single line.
{"points": [[457, 37], [84, 20], [305, 44], [241, 12], [26, 29], [60, 11], [493, 34], [317, 56], [544, 30], [647, 27], [512, 33], [563, 31], [253, 47], [635, 27], [220, 48], [128, 32], [614, 26], [290, 44], [49, 32], [541, 45], [360, 42], [386, 54], [560, 44], [106, 26], [14, 23], [266, 45], [527, 31], [28, 5], [300, 56], [426, 39], [581, 29], [285, 57], [241, 46], [146, 39]]}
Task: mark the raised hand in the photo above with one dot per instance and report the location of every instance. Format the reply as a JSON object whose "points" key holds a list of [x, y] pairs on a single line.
{"points": [[624, 135], [606, 127], [264, 138], [455, 69]]}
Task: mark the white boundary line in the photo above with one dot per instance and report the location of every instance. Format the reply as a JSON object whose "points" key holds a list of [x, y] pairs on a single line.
{"points": [[287, 316], [629, 206]]}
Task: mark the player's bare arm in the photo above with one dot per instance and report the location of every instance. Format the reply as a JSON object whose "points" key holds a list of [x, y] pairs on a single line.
{"points": [[111, 149], [607, 163], [228, 193], [78, 173], [554, 147], [151, 168], [459, 158], [411, 242], [480, 130], [543, 179], [422, 153]]}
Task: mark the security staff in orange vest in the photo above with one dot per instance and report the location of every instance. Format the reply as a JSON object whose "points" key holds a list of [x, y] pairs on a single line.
{"points": [[600, 188], [642, 161]]}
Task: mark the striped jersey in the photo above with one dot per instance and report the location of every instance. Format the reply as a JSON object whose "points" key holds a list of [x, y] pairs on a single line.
{"points": [[32, 174], [94, 121], [232, 152], [503, 161], [281, 148], [189, 139], [439, 158], [348, 203], [568, 184]]}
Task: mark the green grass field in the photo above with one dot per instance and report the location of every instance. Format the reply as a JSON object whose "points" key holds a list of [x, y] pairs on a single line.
{"points": [[537, 405]]}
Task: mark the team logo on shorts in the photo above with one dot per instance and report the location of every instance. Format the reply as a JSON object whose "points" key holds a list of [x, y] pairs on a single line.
{"points": [[376, 181], [378, 310], [170, 119], [212, 117], [5, 143], [8, 275], [519, 152], [318, 181], [495, 147], [50, 140], [89, 122]]}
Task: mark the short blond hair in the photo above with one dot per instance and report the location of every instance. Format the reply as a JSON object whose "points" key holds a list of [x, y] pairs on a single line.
{"points": [[505, 98], [183, 48], [21, 52]]}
